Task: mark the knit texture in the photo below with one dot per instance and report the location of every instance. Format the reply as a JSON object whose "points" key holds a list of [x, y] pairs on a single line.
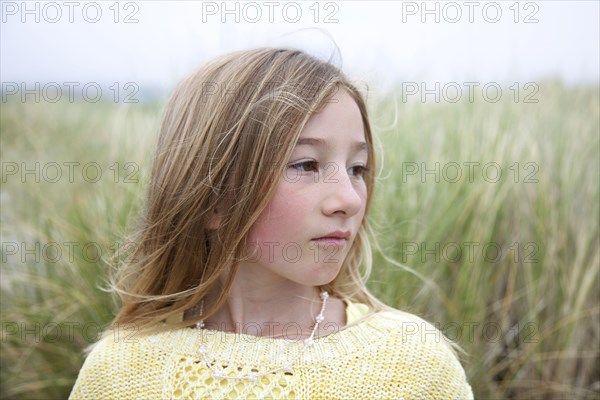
{"points": [[384, 355]]}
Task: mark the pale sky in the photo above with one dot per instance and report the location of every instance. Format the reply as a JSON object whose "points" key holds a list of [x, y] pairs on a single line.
{"points": [[380, 41]]}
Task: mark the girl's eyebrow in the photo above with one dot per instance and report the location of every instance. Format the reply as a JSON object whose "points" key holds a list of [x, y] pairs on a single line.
{"points": [[317, 142]]}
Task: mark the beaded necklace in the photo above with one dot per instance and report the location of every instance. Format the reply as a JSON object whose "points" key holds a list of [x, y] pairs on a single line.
{"points": [[309, 341]]}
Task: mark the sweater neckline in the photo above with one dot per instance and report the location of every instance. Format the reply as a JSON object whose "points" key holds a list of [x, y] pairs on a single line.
{"points": [[359, 332], [354, 311]]}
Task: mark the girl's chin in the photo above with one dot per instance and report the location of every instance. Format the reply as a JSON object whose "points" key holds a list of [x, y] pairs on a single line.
{"points": [[324, 275]]}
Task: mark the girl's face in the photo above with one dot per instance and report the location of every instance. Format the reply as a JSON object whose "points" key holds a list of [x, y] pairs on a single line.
{"points": [[309, 225]]}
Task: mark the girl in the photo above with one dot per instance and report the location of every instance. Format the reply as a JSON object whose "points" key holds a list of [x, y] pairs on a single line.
{"points": [[249, 276]]}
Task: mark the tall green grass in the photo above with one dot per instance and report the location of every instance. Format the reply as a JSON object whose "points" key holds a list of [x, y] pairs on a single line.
{"points": [[528, 319], [524, 304], [55, 301]]}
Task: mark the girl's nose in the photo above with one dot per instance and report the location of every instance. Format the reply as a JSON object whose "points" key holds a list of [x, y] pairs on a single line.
{"points": [[341, 192]]}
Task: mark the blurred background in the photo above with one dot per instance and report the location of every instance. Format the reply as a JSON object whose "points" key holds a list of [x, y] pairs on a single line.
{"points": [[487, 209]]}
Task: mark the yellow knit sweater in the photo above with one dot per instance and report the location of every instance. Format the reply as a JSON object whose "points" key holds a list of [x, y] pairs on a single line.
{"points": [[391, 355]]}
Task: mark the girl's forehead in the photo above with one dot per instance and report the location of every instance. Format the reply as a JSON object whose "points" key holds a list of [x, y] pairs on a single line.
{"points": [[339, 119]]}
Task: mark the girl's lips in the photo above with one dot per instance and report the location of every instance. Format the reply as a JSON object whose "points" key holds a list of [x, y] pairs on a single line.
{"points": [[330, 241], [337, 238]]}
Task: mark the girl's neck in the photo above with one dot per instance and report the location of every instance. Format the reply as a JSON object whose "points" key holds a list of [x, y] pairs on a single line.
{"points": [[284, 311]]}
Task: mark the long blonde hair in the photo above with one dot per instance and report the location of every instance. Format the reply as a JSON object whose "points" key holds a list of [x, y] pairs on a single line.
{"points": [[226, 136]]}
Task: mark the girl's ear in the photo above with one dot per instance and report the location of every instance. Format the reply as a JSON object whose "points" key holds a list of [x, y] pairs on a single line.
{"points": [[214, 221]]}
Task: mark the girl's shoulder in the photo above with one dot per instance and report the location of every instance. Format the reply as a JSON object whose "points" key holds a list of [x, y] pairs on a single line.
{"points": [[413, 351], [410, 328], [120, 362], [408, 322], [407, 326], [423, 353], [402, 331]]}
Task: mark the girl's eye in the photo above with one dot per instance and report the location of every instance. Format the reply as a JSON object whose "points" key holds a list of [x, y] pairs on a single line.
{"points": [[306, 166], [358, 171]]}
